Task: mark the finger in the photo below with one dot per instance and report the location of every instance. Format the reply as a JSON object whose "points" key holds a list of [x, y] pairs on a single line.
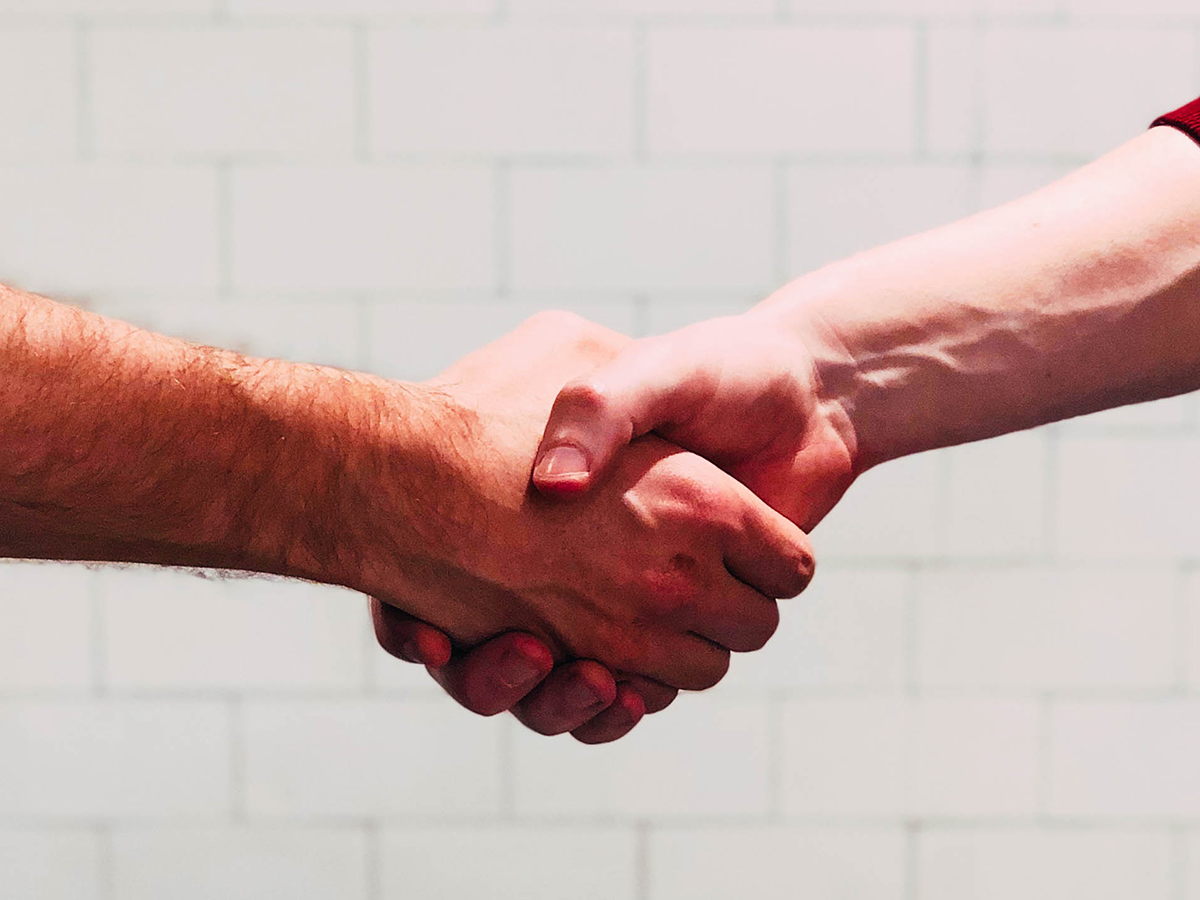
{"points": [[737, 616], [497, 674], [595, 416], [569, 697], [616, 721], [685, 662], [768, 552], [407, 638], [655, 695]]}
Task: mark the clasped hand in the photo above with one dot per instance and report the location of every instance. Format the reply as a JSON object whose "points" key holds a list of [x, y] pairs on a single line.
{"points": [[631, 563]]}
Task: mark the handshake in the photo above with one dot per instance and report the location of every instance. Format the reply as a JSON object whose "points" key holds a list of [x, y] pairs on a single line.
{"points": [[632, 510], [664, 517], [574, 525]]}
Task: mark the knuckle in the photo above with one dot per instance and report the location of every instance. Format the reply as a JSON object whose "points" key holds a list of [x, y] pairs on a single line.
{"points": [[716, 667], [584, 397], [674, 590], [765, 626]]}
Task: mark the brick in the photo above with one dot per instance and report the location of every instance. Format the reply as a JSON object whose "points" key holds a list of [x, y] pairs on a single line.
{"points": [[1125, 758], [316, 331], [416, 340], [845, 631], [168, 629], [38, 110], [425, 758], [837, 210], [45, 626], [221, 91], [781, 90], [891, 758], [892, 513], [1047, 629], [1044, 864], [531, 863], [975, 758], [1128, 498], [700, 863], [845, 757], [49, 865], [706, 756], [1082, 90], [101, 759], [362, 228], [643, 228], [513, 91], [673, 8], [344, 9], [998, 497], [233, 863], [76, 229]]}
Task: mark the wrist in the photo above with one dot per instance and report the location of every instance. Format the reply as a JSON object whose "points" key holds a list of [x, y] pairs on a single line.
{"points": [[360, 493]]}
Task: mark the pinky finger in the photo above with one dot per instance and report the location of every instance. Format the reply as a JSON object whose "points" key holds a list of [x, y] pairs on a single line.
{"points": [[407, 638], [616, 721]]}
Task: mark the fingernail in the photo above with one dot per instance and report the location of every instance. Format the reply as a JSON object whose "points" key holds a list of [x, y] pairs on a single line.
{"points": [[580, 695], [516, 671], [562, 462]]}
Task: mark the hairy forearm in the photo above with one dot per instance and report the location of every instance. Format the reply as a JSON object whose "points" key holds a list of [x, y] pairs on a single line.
{"points": [[117, 444], [1082, 296]]}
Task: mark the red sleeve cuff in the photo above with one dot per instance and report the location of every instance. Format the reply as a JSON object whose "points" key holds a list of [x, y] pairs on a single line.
{"points": [[1186, 119]]}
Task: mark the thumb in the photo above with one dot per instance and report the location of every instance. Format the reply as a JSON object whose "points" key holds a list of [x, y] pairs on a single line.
{"points": [[596, 416]]}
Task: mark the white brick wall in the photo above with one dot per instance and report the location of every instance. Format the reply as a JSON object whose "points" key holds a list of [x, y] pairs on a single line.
{"points": [[594, 228], [990, 690], [240, 863], [221, 91], [754, 91], [346, 758], [521, 91], [777, 863], [50, 864], [38, 113], [990, 864], [589, 863]]}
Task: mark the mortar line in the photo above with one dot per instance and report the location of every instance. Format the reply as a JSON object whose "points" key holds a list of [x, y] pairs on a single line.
{"points": [[105, 862], [642, 830], [373, 859], [912, 859]]}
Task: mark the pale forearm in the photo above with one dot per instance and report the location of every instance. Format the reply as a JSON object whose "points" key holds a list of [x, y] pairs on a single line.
{"points": [[1082, 296], [117, 444]]}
